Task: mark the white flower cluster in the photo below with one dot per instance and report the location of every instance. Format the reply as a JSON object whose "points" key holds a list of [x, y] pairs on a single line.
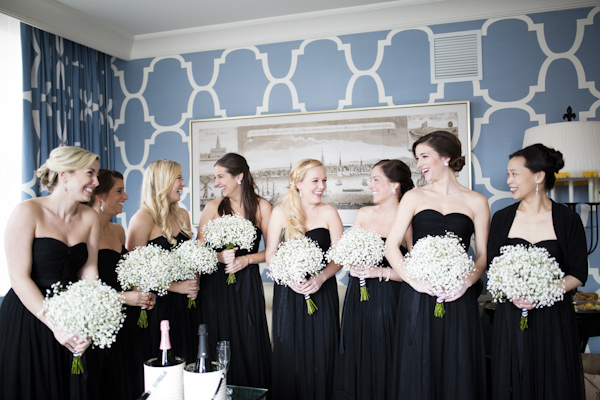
{"points": [[230, 231], [357, 248], [441, 261], [192, 257], [295, 261], [91, 310], [147, 267], [525, 272]]}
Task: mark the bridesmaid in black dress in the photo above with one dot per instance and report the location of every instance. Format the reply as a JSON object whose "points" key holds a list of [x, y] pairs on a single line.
{"points": [[543, 361], [366, 339], [236, 312], [161, 221], [48, 239], [305, 346], [439, 358], [121, 365]]}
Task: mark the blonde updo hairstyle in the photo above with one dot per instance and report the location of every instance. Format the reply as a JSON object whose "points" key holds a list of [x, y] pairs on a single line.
{"points": [[63, 159], [156, 185], [291, 202]]}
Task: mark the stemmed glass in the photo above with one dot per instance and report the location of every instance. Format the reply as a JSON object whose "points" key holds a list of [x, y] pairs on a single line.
{"points": [[223, 356]]}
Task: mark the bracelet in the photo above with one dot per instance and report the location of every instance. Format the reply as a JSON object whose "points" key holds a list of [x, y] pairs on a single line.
{"points": [[380, 274], [389, 274], [247, 260]]}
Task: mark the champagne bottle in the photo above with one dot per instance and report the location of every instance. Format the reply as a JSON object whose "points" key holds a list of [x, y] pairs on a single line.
{"points": [[165, 358], [203, 364]]}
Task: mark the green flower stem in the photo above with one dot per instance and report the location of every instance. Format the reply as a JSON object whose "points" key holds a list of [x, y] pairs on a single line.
{"points": [[440, 310], [312, 307], [143, 319], [77, 366], [191, 303], [364, 291], [524, 324]]}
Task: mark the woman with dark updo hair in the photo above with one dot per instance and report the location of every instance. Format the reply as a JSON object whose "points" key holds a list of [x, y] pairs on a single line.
{"points": [[439, 358], [366, 339], [236, 312], [543, 361]]}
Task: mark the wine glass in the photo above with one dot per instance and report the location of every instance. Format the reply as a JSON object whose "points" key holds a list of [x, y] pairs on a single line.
{"points": [[223, 356]]}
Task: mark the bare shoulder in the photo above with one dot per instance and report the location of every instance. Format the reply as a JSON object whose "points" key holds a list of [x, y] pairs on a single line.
{"points": [[142, 218], [212, 207], [264, 205], [27, 212], [119, 231], [364, 214]]}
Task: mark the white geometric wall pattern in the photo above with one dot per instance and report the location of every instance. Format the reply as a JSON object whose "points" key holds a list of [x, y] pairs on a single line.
{"points": [[534, 66]]}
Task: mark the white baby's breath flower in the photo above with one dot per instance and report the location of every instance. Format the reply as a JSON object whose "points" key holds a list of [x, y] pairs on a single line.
{"points": [[230, 231], [357, 248], [147, 267], [527, 273], [91, 310], [191, 257], [441, 261]]}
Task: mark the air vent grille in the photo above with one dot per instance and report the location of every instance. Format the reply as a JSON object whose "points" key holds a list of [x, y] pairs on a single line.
{"points": [[456, 57]]}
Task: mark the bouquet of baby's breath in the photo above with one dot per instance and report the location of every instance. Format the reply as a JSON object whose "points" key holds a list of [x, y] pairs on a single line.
{"points": [[230, 231], [90, 310], [527, 273], [296, 261], [442, 262], [150, 269], [191, 258], [358, 248]]}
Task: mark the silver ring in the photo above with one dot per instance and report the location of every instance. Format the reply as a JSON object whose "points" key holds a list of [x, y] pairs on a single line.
{"points": [[75, 353]]}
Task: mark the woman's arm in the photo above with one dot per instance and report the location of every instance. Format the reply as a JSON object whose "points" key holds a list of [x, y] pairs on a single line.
{"points": [[89, 271], [274, 230], [139, 230]]}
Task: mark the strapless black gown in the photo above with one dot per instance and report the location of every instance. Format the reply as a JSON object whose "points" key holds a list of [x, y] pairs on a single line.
{"points": [[543, 361], [118, 372], [305, 346], [183, 321], [33, 365], [236, 313], [366, 340], [439, 358]]}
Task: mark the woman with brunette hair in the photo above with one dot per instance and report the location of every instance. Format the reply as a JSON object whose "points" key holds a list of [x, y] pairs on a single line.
{"points": [[122, 363], [439, 358], [366, 338], [305, 346], [48, 239], [162, 222], [542, 361], [236, 312]]}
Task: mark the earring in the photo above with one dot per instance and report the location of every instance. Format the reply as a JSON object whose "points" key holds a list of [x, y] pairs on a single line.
{"points": [[446, 163], [102, 206], [239, 181], [300, 194], [536, 188], [65, 187], [393, 190]]}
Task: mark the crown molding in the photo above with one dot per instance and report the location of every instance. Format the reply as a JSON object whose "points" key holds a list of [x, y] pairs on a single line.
{"points": [[55, 17]]}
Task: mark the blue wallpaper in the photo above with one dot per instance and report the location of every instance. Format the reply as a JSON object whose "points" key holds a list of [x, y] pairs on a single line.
{"points": [[534, 66]]}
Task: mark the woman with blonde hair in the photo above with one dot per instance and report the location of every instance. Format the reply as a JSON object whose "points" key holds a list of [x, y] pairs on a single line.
{"points": [[305, 346], [162, 222], [48, 239], [236, 312]]}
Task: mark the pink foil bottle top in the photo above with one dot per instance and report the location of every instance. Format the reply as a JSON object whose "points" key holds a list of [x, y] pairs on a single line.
{"points": [[165, 341]]}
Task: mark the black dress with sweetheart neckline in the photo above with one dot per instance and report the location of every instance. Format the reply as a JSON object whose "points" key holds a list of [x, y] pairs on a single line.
{"points": [[439, 358], [305, 346], [118, 372], [33, 365], [237, 313], [543, 361], [366, 340], [183, 321]]}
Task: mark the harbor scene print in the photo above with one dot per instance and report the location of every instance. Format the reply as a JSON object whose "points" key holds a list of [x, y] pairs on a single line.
{"points": [[348, 148]]}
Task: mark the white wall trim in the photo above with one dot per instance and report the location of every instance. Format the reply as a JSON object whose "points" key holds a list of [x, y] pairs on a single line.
{"points": [[59, 19]]}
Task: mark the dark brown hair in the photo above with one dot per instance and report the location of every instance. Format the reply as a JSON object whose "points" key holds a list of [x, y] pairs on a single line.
{"points": [[541, 158], [235, 164], [106, 181], [398, 172], [446, 145]]}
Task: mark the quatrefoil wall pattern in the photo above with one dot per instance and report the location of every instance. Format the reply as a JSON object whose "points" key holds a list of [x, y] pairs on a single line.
{"points": [[534, 66]]}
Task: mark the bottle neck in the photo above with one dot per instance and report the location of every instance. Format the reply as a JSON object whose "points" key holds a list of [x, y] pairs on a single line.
{"points": [[165, 341]]}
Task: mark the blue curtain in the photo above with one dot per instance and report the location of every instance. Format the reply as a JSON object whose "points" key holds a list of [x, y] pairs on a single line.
{"points": [[67, 101]]}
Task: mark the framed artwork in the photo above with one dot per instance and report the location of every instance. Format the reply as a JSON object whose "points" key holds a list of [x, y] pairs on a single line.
{"points": [[347, 142]]}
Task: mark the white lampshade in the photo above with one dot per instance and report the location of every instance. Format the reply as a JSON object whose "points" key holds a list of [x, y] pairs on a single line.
{"points": [[579, 142]]}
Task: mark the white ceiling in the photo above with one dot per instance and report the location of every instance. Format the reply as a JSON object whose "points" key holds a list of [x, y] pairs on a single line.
{"points": [[132, 29]]}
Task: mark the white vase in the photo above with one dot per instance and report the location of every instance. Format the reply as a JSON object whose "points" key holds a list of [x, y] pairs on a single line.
{"points": [[171, 385], [203, 386]]}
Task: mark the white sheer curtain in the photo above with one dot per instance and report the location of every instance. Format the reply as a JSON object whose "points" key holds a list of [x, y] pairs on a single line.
{"points": [[11, 129]]}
